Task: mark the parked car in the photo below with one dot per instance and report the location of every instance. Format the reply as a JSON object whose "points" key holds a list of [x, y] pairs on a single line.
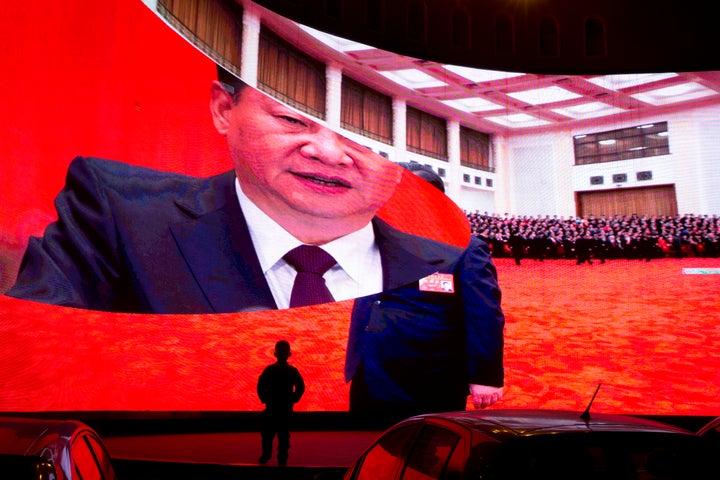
{"points": [[38, 449], [711, 430], [530, 444], [710, 434]]}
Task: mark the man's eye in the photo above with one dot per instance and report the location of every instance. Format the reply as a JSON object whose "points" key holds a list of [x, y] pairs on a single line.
{"points": [[292, 120]]}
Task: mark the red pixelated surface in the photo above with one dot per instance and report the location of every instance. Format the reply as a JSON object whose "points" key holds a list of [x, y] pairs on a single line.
{"points": [[112, 80]]}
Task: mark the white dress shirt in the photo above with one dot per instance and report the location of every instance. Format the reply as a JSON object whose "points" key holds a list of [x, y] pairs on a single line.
{"points": [[358, 271]]}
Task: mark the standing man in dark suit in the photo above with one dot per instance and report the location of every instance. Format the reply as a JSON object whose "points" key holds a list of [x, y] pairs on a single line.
{"points": [[584, 248], [516, 242], [279, 387], [131, 239]]}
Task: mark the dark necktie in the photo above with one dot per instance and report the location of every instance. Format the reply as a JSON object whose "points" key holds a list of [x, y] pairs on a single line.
{"points": [[311, 263]]}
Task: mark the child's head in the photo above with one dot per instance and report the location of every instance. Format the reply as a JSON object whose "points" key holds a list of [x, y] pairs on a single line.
{"points": [[282, 350]]}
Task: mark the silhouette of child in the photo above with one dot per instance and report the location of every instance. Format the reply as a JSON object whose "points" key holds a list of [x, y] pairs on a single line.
{"points": [[279, 387]]}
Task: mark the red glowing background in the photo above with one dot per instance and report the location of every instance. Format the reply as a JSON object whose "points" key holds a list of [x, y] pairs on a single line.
{"points": [[112, 80]]}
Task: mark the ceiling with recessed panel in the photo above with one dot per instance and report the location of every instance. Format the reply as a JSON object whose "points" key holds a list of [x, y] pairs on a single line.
{"points": [[514, 102]]}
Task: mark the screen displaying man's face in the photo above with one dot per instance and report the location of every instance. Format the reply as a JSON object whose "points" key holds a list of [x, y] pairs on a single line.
{"points": [[636, 327], [290, 165]]}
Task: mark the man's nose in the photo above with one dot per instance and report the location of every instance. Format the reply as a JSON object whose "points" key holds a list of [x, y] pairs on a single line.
{"points": [[326, 146]]}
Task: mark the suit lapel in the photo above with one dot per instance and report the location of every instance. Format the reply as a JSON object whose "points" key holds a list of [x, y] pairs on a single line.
{"points": [[408, 258], [218, 250]]}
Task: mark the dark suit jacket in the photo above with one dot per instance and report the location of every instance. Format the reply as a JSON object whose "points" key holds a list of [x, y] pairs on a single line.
{"points": [[132, 239]]}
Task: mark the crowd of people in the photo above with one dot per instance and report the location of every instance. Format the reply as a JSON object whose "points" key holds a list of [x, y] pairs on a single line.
{"points": [[598, 238]]}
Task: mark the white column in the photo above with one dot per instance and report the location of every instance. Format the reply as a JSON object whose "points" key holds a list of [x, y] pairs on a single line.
{"points": [[399, 129], [503, 202], [454, 174], [333, 95], [250, 46]]}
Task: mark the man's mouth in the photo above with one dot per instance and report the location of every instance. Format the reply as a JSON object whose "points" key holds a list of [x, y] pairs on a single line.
{"points": [[323, 180]]}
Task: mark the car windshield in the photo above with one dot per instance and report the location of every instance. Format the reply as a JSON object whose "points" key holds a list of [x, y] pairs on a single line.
{"points": [[599, 455]]}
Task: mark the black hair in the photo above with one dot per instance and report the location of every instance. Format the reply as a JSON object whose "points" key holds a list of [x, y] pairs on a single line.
{"points": [[424, 172], [282, 350], [230, 82]]}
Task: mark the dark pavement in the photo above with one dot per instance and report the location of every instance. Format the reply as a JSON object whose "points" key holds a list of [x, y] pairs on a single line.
{"points": [[232, 455]]}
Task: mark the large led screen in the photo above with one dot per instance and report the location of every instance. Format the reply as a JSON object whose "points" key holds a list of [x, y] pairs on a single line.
{"points": [[102, 318]]}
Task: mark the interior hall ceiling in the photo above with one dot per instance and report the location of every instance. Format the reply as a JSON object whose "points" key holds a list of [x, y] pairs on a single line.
{"points": [[508, 102]]}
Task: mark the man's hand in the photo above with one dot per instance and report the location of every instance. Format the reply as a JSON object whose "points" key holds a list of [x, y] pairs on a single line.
{"points": [[484, 396]]}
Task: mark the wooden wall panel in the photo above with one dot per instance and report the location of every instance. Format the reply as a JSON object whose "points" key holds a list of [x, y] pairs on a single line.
{"points": [[660, 200]]}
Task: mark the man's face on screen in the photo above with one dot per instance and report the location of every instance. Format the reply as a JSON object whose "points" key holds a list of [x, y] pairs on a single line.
{"points": [[295, 168]]}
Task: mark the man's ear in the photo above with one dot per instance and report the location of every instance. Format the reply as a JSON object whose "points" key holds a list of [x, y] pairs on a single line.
{"points": [[221, 104]]}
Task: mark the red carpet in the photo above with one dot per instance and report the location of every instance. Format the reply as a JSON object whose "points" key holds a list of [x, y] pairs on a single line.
{"points": [[646, 331]]}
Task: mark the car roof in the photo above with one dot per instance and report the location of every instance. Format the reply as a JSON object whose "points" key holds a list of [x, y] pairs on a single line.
{"points": [[502, 424], [710, 426], [19, 435]]}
